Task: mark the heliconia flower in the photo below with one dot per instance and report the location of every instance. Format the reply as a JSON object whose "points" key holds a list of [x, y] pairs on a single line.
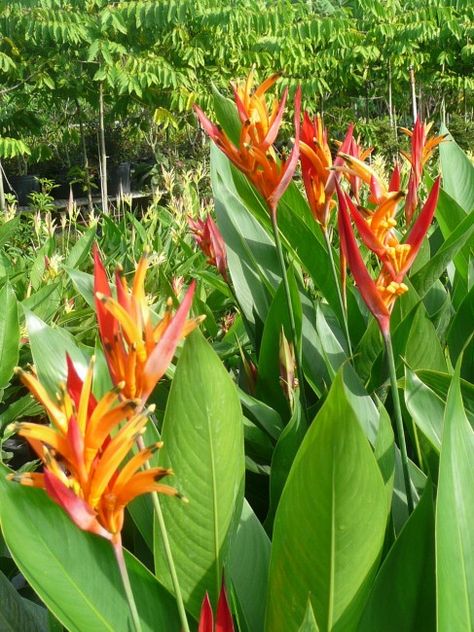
{"points": [[317, 166], [395, 179], [396, 257], [209, 239], [287, 365], [355, 150], [138, 351], [223, 622], [421, 149], [252, 106], [379, 190], [254, 154], [82, 452]]}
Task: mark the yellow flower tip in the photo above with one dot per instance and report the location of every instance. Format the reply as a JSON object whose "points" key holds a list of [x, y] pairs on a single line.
{"points": [[101, 297], [183, 498], [18, 371], [119, 387], [146, 250], [92, 360], [155, 447], [14, 427], [12, 477], [169, 302], [151, 409]]}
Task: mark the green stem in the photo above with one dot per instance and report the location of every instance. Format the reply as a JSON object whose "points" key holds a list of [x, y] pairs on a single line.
{"points": [[118, 550], [338, 287], [296, 342], [169, 555], [399, 420]]}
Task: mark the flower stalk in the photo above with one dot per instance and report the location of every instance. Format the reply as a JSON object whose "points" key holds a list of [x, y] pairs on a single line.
{"points": [[342, 304], [118, 550], [169, 555], [399, 421]]}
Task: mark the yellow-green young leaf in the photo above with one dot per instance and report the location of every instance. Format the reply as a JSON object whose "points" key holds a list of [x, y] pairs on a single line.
{"points": [[203, 443], [75, 573], [309, 622], [329, 526], [455, 518]]}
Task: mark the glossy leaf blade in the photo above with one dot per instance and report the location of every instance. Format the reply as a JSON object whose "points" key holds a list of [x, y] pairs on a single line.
{"points": [[329, 526], [9, 334], [203, 443], [75, 573], [403, 595], [454, 518]]}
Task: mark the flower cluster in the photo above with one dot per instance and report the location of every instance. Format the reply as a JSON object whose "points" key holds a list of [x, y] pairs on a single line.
{"points": [[377, 232], [211, 242], [254, 154], [317, 166], [83, 449], [421, 149], [138, 351]]}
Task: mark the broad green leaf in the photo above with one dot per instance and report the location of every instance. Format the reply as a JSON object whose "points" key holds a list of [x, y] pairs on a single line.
{"points": [[458, 173], [24, 406], [462, 327], [49, 346], [226, 114], [203, 443], [449, 216], [415, 340], [84, 284], [440, 382], [325, 546], [44, 302], [81, 249], [14, 614], [438, 263], [283, 456], [8, 230], [263, 415], [425, 408], [455, 517], [248, 569], [82, 586], [269, 388], [251, 254], [9, 334], [403, 596]]}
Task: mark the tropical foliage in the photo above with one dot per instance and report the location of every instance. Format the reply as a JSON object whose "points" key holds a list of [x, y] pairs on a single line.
{"points": [[300, 458]]}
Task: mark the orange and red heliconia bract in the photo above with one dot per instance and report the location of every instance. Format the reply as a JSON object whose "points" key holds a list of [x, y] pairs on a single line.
{"points": [[318, 167], [83, 450], [254, 153], [378, 235], [223, 622], [209, 239], [421, 149], [138, 351]]}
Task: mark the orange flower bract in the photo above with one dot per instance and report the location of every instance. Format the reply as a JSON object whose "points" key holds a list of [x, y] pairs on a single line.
{"points": [[83, 450], [138, 351], [254, 153]]}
